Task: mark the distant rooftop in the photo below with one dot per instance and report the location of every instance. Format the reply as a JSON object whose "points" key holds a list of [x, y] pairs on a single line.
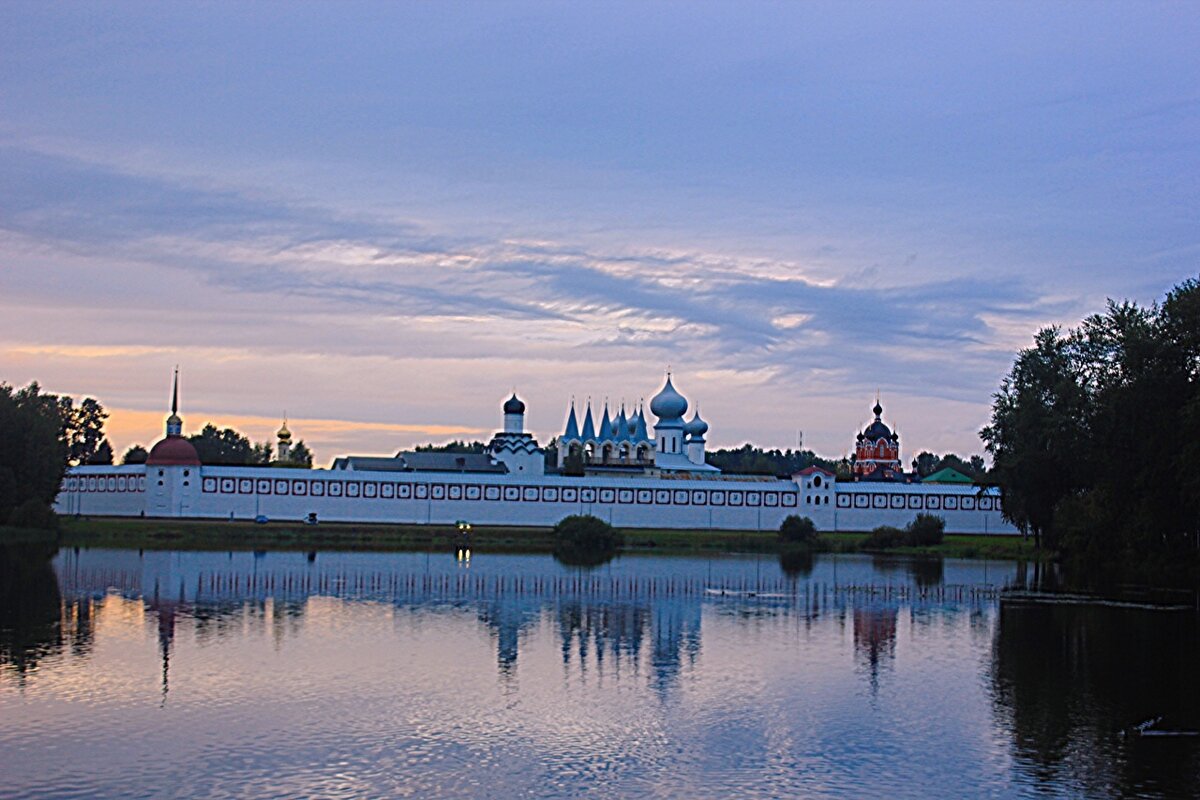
{"points": [[407, 461]]}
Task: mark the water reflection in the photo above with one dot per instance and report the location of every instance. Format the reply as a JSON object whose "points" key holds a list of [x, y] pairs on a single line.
{"points": [[730, 676], [875, 639], [797, 562], [31, 610], [1070, 681]]}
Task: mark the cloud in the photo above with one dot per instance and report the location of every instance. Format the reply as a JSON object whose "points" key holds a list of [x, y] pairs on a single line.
{"points": [[188, 269]]}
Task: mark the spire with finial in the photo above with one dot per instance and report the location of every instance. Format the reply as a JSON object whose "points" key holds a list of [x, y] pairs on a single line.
{"points": [[572, 432], [589, 427], [174, 423]]}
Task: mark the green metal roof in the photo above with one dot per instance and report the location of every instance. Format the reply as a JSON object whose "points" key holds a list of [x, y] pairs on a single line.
{"points": [[947, 475]]}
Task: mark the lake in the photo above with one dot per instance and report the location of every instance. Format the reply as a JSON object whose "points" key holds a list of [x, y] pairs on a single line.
{"points": [[367, 674]]}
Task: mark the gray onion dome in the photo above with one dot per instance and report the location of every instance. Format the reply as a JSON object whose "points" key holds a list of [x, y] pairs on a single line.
{"points": [[513, 405], [696, 426], [668, 404]]}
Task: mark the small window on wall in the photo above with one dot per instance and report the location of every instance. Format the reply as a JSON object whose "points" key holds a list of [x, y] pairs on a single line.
{"points": [[187, 472], [817, 481]]}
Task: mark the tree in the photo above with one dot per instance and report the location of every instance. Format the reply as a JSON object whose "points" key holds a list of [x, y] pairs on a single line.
{"points": [[103, 454], [261, 454], [585, 541], [573, 463], [925, 464], [956, 463], [1037, 428], [33, 452], [456, 446], [797, 530], [1095, 437], [229, 447], [751, 460], [135, 455], [83, 427], [844, 469], [301, 455]]}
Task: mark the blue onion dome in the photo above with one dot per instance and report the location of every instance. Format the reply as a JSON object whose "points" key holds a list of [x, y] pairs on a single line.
{"points": [[514, 406], [668, 404], [696, 426]]}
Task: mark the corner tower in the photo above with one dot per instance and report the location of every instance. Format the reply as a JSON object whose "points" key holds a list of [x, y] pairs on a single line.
{"points": [[174, 450]]}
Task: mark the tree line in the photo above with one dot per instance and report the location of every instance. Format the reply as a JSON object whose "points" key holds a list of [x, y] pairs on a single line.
{"points": [[1095, 435], [926, 463]]}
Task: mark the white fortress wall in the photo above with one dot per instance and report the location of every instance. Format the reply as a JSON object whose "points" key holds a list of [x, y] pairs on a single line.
{"points": [[443, 498], [103, 491]]}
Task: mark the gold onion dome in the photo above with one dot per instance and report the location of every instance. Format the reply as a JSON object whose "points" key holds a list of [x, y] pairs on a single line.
{"points": [[284, 434]]}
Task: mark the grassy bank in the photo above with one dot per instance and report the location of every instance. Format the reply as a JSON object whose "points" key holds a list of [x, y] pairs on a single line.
{"points": [[170, 534], [223, 535]]}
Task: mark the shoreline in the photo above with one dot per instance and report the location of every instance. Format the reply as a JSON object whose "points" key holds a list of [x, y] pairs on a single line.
{"points": [[173, 534]]}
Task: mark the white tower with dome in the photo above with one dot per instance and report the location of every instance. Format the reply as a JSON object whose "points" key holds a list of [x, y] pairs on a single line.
{"points": [[669, 406]]}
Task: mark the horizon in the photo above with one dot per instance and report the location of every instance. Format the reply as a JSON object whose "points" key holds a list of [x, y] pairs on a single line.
{"points": [[382, 218]]}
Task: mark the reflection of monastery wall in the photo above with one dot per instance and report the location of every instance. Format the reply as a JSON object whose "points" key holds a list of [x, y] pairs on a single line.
{"points": [[429, 498], [672, 487]]}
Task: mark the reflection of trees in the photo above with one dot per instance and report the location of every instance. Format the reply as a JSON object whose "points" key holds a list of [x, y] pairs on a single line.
{"points": [[927, 571], [796, 562], [1067, 679], [31, 609], [924, 570], [582, 556]]}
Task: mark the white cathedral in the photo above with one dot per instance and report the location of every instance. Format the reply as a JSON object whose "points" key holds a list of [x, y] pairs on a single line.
{"points": [[619, 444], [622, 443]]}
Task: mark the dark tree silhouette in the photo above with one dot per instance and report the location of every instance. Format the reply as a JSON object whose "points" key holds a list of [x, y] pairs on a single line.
{"points": [[1095, 433], [103, 454], [33, 452]]}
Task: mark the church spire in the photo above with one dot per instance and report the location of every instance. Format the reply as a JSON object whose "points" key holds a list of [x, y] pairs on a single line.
{"points": [[174, 423]]}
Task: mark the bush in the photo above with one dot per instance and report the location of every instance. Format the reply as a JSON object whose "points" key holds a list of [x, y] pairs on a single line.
{"points": [[884, 537], [581, 531], [33, 514], [926, 530], [797, 530]]}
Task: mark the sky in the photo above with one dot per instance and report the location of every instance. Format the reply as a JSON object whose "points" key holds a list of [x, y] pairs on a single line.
{"points": [[382, 218]]}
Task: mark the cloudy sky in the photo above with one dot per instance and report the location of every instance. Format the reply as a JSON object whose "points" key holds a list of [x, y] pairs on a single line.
{"points": [[381, 218]]}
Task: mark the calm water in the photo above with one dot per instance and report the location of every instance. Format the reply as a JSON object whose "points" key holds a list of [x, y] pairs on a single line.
{"points": [[186, 674]]}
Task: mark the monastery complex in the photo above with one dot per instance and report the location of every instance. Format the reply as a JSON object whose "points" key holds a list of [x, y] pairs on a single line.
{"points": [[631, 471]]}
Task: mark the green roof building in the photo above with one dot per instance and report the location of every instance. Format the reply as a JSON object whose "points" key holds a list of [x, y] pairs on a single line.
{"points": [[947, 475]]}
